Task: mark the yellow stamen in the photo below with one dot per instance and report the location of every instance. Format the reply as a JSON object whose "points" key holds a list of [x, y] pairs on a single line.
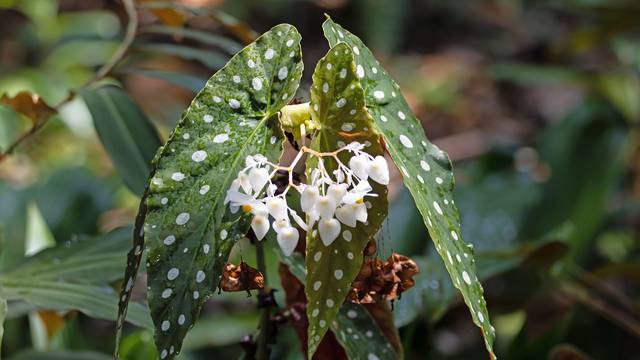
{"points": [[246, 208], [360, 201]]}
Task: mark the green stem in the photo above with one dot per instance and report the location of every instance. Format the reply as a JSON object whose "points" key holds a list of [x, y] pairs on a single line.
{"points": [[265, 313]]}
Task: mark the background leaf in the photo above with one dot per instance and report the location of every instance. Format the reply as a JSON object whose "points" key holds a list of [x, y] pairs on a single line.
{"points": [[230, 46], [331, 269], [74, 276], [426, 171], [188, 236], [125, 132]]}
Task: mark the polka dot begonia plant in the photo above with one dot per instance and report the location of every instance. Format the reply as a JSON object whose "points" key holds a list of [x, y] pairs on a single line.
{"points": [[219, 176]]}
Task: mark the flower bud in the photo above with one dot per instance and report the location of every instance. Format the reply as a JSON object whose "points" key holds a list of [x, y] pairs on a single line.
{"points": [[329, 230], [346, 215], [337, 192], [260, 226], [325, 207], [258, 178], [379, 171], [309, 197], [359, 164], [277, 208], [288, 239]]}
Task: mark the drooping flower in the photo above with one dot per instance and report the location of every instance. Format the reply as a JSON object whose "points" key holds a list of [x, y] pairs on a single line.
{"points": [[309, 197], [325, 207], [359, 164], [329, 230], [277, 208], [258, 178], [330, 199], [260, 226], [288, 239], [378, 170]]}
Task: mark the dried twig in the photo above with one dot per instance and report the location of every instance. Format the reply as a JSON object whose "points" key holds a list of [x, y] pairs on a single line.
{"points": [[130, 33]]}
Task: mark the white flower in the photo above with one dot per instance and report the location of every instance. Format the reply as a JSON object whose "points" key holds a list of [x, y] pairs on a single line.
{"points": [[280, 224], [243, 178], [247, 202], [358, 192], [258, 178], [359, 165], [260, 226], [325, 207], [360, 209], [329, 230], [337, 191], [234, 187], [253, 160], [309, 197], [277, 208], [288, 239], [354, 146], [346, 215], [378, 170]]}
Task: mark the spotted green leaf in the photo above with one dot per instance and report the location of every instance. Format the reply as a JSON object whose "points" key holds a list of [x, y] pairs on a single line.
{"points": [[426, 171], [183, 218], [337, 106], [359, 335], [353, 327]]}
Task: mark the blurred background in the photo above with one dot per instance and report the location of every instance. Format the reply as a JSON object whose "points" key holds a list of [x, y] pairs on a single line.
{"points": [[536, 102]]}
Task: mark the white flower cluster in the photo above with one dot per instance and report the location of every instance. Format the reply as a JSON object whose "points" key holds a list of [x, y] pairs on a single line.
{"points": [[328, 200]]}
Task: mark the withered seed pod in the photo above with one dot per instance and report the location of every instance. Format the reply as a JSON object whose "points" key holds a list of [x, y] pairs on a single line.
{"points": [[241, 278]]}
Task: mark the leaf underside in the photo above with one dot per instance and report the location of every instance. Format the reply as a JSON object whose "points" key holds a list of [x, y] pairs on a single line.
{"points": [[332, 269], [74, 276], [187, 229], [426, 170]]}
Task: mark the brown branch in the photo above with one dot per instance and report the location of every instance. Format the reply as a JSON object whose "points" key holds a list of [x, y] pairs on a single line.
{"points": [[130, 33], [23, 137]]}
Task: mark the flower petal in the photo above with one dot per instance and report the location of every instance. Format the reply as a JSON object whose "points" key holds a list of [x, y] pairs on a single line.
{"points": [[260, 226], [288, 239], [329, 230], [346, 215]]}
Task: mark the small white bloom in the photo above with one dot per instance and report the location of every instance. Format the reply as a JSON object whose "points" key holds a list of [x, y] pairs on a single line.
{"points": [[277, 208], [309, 197], [346, 215], [271, 190], [359, 165], [288, 239], [258, 178], [329, 230], [247, 202], [260, 226], [244, 182], [378, 170], [235, 186], [325, 207], [360, 211], [337, 192], [358, 192], [339, 174], [278, 225], [354, 146]]}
